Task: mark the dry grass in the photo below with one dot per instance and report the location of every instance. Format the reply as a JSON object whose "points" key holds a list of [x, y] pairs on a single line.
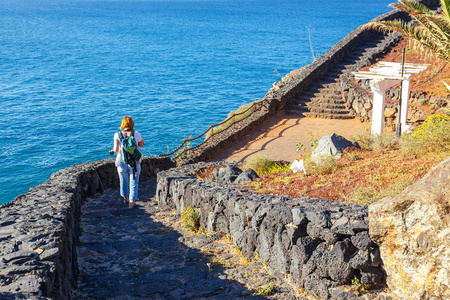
{"points": [[384, 166], [372, 176]]}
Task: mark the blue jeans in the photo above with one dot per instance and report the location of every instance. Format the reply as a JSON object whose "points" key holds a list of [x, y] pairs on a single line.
{"points": [[128, 185]]}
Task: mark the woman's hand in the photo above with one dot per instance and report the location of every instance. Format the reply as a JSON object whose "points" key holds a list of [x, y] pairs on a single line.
{"points": [[116, 146]]}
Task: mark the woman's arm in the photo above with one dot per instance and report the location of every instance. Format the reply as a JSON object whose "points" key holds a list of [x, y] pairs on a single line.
{"points": [[116, 146], [141, 143]]}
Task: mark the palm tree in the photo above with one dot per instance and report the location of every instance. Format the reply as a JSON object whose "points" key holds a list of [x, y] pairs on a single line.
{"points": [[431, 30]]}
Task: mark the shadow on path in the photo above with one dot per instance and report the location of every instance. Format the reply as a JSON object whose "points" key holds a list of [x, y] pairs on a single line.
{"points": [[273, 138], [127, 254], [278, 137]]}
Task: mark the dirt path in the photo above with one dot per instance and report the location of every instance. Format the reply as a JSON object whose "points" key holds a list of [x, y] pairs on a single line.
{"points": [[277, 137]]}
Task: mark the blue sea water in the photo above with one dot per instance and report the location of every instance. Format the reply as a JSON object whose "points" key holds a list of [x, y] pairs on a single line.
{"points": [[71, 69]]}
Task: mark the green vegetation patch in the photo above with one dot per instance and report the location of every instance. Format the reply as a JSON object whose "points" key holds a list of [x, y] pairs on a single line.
{"points": [[261, 164]]}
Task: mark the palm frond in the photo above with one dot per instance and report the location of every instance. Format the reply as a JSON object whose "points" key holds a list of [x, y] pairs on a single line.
{"points": [[430, 30], [445, 5], [440, 27], [411, 7], [395, 25]]}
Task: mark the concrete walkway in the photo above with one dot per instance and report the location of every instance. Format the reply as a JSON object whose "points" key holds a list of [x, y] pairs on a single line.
{"points": [[277, 138]]}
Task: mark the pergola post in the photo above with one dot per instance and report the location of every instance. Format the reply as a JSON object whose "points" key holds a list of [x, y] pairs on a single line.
{"points": [[379, 88], [406, 84]]}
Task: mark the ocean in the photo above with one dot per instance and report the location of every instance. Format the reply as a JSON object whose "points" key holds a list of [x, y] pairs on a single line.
{"points": [[70, 70]]}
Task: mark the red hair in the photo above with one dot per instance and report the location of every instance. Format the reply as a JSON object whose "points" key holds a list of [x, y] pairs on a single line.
{"points": [[127, 122]]}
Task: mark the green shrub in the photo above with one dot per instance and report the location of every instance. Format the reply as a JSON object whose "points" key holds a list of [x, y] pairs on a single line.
{"points": [[433, 136], [266, 290], [374, 142], [261, 164], [366, 195], [326, 165], [364, 138], [190, 219], [357, 285], [384, 142], [396, 186], [313, 140]]}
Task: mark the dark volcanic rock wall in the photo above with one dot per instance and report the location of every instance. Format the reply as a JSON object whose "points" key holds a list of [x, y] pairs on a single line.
{"points": [[39, 230], [320, 244]]}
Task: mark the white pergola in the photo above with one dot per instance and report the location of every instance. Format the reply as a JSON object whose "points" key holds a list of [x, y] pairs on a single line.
{"points": [[383, 76]]}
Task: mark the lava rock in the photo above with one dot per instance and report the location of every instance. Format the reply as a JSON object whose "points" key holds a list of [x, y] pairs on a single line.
{"points": [[343, 250], [227, 174], [360, 260], [246, 177], [362, 240]]}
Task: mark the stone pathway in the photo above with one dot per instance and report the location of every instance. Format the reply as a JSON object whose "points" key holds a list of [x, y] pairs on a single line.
{"points": [[144, 253]]}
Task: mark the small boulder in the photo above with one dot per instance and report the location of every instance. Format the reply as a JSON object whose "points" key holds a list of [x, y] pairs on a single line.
{"points": [[227, 174], [246, 177], [331, 145]]}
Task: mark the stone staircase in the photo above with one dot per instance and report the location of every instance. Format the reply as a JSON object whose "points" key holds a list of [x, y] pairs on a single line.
{"points": [[324, 99]]}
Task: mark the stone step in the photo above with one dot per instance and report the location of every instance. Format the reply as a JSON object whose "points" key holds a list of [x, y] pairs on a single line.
{"points": [[356, 57], [323, 99], [350, 60], [336, 89], [325, 84], [322, 110], [359, 51], [334, 98], [305, 105], [334, 72], [373, 43], [328, 105], [297, 107], [333, 76], [361, 48], [320, 93], [342, 66], [328, 116], [296, 112]]}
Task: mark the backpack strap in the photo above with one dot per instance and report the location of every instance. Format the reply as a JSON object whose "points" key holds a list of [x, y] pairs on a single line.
{"points": [[120, 135]]}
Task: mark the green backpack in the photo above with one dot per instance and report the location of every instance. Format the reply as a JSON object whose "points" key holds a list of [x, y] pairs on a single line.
{"points": [[131, 153]]}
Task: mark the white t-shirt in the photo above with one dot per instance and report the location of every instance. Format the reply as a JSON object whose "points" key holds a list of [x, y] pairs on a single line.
{"points": [[119, 160]]}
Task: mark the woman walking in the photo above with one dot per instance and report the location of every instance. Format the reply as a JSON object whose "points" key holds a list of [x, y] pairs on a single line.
{"points": [[128, 174]]}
